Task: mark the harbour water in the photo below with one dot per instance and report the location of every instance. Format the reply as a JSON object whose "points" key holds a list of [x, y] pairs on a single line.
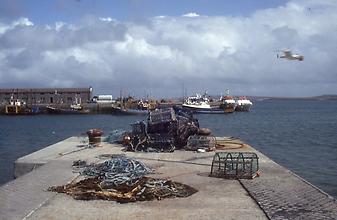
{"points": [[300, 135]]}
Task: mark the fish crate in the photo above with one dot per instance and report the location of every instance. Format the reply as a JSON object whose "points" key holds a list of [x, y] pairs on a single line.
{"points": [[235, 165], [196, 142]]}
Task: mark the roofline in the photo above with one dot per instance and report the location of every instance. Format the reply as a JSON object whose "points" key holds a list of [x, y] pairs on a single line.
{"points": [[21, 90]]}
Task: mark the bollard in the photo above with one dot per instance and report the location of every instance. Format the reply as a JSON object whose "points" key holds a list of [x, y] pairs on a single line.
{"points": [[94, 136]]}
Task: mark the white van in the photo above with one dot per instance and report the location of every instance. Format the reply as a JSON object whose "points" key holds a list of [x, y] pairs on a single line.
{"points": [[103, 99]]}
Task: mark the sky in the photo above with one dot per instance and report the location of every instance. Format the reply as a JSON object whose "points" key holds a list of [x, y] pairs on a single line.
{"points": [[162, 48]]}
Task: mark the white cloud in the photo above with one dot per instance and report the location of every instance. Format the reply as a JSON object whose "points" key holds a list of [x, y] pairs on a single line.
{"points": [[107, 19], [205, 52], [23, 22], [191, 15], [160, 16]]}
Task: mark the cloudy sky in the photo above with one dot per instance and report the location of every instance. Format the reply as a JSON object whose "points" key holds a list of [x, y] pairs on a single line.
{"points": [[159, 47]]}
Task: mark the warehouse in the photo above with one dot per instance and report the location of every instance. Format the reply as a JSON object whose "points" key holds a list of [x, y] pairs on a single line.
{"points": [[33, 96]]}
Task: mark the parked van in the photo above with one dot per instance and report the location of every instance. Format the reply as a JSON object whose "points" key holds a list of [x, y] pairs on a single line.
{"points": [[103, 99]]}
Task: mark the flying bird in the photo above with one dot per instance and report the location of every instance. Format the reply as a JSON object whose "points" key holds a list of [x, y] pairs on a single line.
{"points": [[287, 54]]}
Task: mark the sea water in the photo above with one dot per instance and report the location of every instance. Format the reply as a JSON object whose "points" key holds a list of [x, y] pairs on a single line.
{"points": [[301, 135]]}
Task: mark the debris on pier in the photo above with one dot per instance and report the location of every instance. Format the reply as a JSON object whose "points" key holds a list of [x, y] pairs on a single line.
{"points": [[79, 163], [122, 179]]}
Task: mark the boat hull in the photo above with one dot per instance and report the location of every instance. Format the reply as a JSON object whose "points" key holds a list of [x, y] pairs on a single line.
{"points": [[211, 111], [228, 107], [205, 110], [124, 111], [243, 108], [21, 110], [61, 111]]}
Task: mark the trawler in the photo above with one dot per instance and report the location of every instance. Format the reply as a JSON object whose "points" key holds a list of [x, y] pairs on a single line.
{"points": [[228, 104], [243, 104], [202, 105]]}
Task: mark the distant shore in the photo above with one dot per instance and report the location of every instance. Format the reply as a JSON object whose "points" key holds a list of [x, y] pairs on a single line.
{"points": [[318, 98]]}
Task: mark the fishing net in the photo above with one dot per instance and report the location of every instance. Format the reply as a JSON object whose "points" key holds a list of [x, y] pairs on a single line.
{"points": [[145, 188], [122, 179]]}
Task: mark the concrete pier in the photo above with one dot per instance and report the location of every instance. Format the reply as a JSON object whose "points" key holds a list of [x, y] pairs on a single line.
{"points": [[276, 194]]}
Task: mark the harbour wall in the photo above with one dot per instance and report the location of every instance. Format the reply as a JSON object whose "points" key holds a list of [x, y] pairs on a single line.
{"points": [[276, 194]]}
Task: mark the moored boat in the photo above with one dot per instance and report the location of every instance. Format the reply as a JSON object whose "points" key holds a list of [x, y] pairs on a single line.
{"points": [[228, 104], [202, 105], [243, 104], [15, 107], [19, 107], [134, 107], [199, 104], [54, 110], [129, 111]]}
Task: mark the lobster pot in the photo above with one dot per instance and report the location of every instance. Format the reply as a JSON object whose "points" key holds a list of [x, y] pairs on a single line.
{"points": [[161, 142], [161, 121], [161, 116], [196, 142], [235, 165], [138, 127]]}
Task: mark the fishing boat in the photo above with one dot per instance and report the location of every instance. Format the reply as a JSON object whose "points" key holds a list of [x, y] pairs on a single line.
{"points": [[197, 102], [243, 104], [201, 105], [75, 108], [228, 104], [134, 107], [129, 111], [59, 111], [19, 107]]}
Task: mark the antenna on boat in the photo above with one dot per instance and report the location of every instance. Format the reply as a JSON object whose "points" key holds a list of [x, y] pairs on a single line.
{"points": [[183, 91]]}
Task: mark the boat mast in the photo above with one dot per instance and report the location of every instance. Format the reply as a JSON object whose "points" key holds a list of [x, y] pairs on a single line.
{"points": [[227, 91]]}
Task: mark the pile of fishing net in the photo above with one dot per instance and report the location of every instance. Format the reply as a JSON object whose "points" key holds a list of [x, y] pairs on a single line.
{"points": [[122, 179]]}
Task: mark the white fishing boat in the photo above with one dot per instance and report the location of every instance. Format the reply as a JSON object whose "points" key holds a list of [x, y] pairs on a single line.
{"points": [[197, 102], [243, 104], [201, 104]]}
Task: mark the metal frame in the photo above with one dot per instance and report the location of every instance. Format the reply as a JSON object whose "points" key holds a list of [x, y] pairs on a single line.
{"points": [[235, 165]]}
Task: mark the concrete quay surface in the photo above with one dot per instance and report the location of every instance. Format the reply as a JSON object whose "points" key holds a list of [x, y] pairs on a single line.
{"points": [[276, 194]]}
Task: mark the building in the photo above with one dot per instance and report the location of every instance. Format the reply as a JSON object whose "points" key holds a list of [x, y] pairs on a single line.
{"points": [[46, 95]]}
